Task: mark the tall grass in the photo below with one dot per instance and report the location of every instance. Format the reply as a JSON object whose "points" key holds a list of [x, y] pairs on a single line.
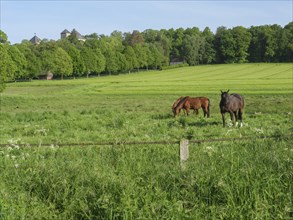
{"points": [[222, 181]]}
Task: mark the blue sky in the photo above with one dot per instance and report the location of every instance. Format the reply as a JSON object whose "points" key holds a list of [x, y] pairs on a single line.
{"points": [[21, 19]]}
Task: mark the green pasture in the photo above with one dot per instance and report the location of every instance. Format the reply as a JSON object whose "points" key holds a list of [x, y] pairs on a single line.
{"points": [[249, 179], [137, 106]]}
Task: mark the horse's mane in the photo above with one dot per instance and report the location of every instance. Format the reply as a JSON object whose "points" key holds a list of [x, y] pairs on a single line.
{"points": [[176, 102], [181, 102]]}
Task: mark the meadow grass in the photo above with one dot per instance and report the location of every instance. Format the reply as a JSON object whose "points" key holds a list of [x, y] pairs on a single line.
{"points": [[248, 179]]}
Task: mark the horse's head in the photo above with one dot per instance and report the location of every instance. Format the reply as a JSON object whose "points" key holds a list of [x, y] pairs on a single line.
{"points": [[225, 95], [173, 109]]}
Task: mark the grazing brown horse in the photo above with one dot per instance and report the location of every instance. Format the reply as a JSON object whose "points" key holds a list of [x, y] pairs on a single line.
{"points": [[196, 103], [234, 104]]}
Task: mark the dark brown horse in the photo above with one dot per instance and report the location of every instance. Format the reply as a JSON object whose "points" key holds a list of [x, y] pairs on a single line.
{"points": [[234, 104], [196, 103]]}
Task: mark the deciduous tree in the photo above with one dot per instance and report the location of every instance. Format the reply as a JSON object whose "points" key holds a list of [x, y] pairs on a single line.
{"points": [[7, 67]]}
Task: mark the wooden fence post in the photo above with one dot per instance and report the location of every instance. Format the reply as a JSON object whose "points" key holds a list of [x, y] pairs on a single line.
{"points": [[184, 153]]}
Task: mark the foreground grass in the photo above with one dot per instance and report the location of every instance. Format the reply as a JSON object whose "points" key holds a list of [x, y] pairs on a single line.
{"points": [[223, 180], [240, 180]]}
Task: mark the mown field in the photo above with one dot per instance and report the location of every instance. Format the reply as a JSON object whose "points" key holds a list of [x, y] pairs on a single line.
{"points": [[249, 179]]}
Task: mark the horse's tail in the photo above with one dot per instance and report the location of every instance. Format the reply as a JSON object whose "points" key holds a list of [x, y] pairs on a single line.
{"points": [[209, 103]]}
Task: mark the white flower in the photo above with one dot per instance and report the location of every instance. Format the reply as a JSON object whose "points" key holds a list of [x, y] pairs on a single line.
{"points": [[228, 132], [230, 123], [259, 130], [221, 183], [16, 147], [245, 124], [14, 143], [209, 148], [41, 131]]}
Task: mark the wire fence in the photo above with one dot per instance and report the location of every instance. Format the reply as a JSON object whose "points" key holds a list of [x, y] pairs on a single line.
{"points": [[117, 143]]}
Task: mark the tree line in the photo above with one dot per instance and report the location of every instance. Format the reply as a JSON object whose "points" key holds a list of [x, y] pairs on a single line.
{"points": [[150, 49]]}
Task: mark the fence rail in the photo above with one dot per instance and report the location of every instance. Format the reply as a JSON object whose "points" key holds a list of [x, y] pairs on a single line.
{"points": [[113, 143]]}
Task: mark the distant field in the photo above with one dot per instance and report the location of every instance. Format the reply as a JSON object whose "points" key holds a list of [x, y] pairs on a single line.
{"points": [[208, 79], [234, 180]]}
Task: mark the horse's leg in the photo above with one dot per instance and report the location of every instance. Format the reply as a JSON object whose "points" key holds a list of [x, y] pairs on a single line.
{"points": [[223, 118], [205, 112], [240, 117], [208, 109], [187, 111], [231, 117], [177, 112], [236, 118]]}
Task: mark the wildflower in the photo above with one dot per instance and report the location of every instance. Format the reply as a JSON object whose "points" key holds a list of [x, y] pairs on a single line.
{"points": [[209, 150], [41, 131], [16, 165], [14, 143], [221, 183], [228, 132], [24, 156], [230, 124], [287, 209], [259, 130]]}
